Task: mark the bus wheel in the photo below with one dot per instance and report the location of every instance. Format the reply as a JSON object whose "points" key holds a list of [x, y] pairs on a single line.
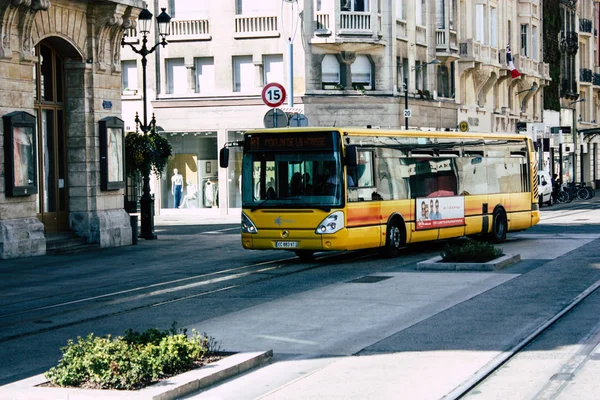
{"points": [[305, 255], [499, 227], [394, 239]]}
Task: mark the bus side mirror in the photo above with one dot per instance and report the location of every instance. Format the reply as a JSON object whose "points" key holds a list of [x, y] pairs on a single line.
{"points": [[224, 157], [351, 156]]}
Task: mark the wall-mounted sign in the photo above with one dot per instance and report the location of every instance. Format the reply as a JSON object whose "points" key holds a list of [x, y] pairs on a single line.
{"points": [[20, 141], [107, 105], [112, 153]]}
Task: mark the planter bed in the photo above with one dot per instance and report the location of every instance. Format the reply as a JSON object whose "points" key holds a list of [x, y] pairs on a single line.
{"points": [[35, 388], [437, 264]]}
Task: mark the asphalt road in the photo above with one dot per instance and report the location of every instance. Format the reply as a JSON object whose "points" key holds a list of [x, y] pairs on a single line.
{"points": [[199, 276]]}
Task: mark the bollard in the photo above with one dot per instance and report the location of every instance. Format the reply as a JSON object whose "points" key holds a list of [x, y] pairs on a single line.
{"points": [[133, 219]]}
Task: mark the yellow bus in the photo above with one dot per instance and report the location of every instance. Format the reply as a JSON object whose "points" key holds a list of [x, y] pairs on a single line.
{"points": [[320, 189]]}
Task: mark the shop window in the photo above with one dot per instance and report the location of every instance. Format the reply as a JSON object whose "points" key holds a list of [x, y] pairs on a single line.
{"points": [[243, 74], [361, 72], [273, 68], [129, 81], [205, 75], [330, 72], [176, 76]]}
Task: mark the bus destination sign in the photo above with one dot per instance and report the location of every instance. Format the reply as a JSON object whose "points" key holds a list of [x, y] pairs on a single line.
{"points": [[282, 141]]}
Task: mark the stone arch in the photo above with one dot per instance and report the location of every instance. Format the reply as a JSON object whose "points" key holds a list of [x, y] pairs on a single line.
{"points": [[68, 24]]}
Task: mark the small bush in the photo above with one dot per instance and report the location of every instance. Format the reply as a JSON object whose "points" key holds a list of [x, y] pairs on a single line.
{"points": [[131, 361], [470, 251]]}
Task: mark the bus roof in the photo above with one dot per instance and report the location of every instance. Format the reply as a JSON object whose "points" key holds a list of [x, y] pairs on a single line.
{"points": [[359, 131]]}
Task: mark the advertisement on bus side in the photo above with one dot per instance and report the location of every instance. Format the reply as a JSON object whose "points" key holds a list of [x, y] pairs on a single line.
{"points": [[439, 212]]}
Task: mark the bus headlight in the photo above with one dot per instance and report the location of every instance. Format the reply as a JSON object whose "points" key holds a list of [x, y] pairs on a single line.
{"points": [[247, 225], [333, 223]]}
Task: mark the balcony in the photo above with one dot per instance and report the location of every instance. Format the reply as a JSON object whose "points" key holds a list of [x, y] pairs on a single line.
{"points": [[189, 30], [585, 75], [470, 51], [596, 79], [347, 27], [569, 42], [322, 28], [446, 45], [355, 23], [585, 26], [255, 27]]}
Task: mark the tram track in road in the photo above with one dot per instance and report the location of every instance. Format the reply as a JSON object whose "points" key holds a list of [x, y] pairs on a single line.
{"points": [[159, 294], [479, 378]]}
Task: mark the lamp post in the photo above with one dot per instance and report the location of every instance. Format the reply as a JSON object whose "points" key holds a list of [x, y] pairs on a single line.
{"points": [[293, 27], [144, 20], [433, 62], [574, 132]]}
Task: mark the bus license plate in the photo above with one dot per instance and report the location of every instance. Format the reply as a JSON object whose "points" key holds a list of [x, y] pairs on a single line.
{"points": [[286, 245]]}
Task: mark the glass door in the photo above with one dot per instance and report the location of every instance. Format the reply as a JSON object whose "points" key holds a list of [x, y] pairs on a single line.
{"points": [[52, 198]]}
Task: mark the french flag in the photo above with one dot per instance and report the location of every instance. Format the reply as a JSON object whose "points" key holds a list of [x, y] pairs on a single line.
{"points": [[514, 73]]}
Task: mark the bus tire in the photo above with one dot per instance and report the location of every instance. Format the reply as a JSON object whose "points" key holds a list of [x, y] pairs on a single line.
{"points": [[395, 238], [305, 255], [499, 226]]}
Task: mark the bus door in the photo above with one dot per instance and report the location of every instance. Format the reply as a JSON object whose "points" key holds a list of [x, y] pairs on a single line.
{"points": [[363, 205]]}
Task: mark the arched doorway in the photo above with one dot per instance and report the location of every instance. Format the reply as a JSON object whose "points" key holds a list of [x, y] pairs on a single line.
{"points": [[52, 200]]}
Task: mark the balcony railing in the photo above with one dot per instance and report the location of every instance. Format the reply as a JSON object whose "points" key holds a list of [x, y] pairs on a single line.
{"points": [[470, 50], [322, 22], [355, 22], [585, 75], [255, 26], [596, 79], [189, 30], [445, 39], [585, 25]]}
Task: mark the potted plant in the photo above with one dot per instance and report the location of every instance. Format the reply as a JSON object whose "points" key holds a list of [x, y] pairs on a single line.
{"points": [[146, 153]]}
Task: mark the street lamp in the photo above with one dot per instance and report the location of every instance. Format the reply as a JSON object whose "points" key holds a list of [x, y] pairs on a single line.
{"points": [[415, 68], [294, 20], [574, 132], [144, 21]]}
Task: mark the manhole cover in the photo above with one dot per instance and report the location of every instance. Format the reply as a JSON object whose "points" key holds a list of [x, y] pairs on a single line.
{"points": [[370, 279]]}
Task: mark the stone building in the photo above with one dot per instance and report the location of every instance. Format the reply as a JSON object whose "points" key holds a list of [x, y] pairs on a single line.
{"points": [[60, 76]]}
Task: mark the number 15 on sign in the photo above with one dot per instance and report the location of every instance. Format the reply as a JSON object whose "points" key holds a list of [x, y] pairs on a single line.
{"points": [[273, 94], [407, 113]]}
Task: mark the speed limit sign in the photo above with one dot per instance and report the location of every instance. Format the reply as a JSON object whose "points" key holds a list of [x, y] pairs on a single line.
{"points": [[273, 94]]}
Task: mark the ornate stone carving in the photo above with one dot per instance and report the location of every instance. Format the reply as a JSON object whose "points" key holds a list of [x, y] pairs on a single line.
{"points": [[19, 14]]}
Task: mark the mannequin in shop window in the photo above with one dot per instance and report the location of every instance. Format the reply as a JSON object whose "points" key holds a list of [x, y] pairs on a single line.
{"points": [[176, 187], [190, 196]]}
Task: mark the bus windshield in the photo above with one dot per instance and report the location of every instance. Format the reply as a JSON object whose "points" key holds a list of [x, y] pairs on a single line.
{"points": [[298, 179]]}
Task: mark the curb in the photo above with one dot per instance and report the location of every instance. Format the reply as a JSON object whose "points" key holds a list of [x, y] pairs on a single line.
{"points": [[435, 264], [169, 389]]}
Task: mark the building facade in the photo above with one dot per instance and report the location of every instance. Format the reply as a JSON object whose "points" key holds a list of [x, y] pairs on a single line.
{"points": [[571, 49], [355, 62], [60, 77]]}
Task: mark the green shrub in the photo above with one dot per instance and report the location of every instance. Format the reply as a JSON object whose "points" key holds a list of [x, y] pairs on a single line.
{"points": [[131, 361], [470, 251]]}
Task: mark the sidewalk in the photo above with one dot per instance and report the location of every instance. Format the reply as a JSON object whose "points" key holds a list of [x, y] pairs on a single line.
{"points": [[412, 335], [196, 216]]}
